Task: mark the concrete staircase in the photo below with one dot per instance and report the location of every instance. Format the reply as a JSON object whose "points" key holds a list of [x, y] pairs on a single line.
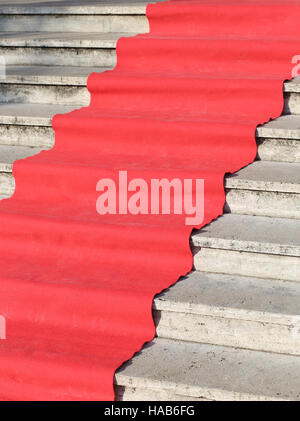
{"points": [[230, 329]]}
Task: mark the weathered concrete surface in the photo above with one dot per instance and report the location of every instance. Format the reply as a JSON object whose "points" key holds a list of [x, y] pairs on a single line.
{"points": [[212, 372], [255, 234], [267, 176], [284, 127], [9, 154], [230, 310], [105, 7], [93, 23], [50, 75], [260, 265], [249, 246], [33, 115], [280, 149]]}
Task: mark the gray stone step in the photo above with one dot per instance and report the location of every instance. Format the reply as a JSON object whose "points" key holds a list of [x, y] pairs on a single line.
{"points": [[229, 310], [74, 7], [176, 370], [107, 40], [93, 22], [279, 140], [47, 85], [285, 130], [60, 49], [292, 96], [249, 246], [29, 124], [50, 75], [78, 96], [265, 188], [9, 154]]}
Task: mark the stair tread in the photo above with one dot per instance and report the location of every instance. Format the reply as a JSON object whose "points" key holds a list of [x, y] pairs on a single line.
{"points": [[61, 39], [267, 176], [286, 126], [9, 154], [256, 234], [62, 75], [212, 372], [233, 296], [101, 7], [31, 114]]}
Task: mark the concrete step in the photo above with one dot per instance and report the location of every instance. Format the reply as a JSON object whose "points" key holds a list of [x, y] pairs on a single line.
{"points": [[47, 85], [249, 246], [265, 188], [44, 80], [229, 310], [9, 154], [174, 370], [99, 18], [29, 124], [292, 96], [60, 49], [50, 75], [74, 7], [279, 140]]}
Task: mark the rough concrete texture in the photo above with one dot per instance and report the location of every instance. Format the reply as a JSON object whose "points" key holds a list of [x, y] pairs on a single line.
{"points": [[285, 127], [105, 7], [261, 265], [251, 234], [50, 75], [230, 310], [267, 176], [212, 372]]}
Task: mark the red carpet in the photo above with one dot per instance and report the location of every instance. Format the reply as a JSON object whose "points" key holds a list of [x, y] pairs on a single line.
{"points": [[184, 101]]}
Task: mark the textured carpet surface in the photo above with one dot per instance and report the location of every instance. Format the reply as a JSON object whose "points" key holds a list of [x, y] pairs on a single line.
{"points": [[76, 287]]}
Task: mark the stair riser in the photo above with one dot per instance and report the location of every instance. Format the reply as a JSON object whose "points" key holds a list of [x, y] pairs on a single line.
{"points": [[280, 150], [263, 203], [42, 56], [18, 135], [292, 103], [7, 185], [270, 337], [74, 23], [260, 265], [44, 94]]}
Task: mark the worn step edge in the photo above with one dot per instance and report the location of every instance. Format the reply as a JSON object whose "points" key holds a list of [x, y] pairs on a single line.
{"points": [[79, 40], [49, 75], [228, 310], [212, 372], [138, 8], [171, 300], [257, 234]]}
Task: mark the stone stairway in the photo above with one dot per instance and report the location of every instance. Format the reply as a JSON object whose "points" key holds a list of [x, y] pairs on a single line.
{"points": [[230, 329]]}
